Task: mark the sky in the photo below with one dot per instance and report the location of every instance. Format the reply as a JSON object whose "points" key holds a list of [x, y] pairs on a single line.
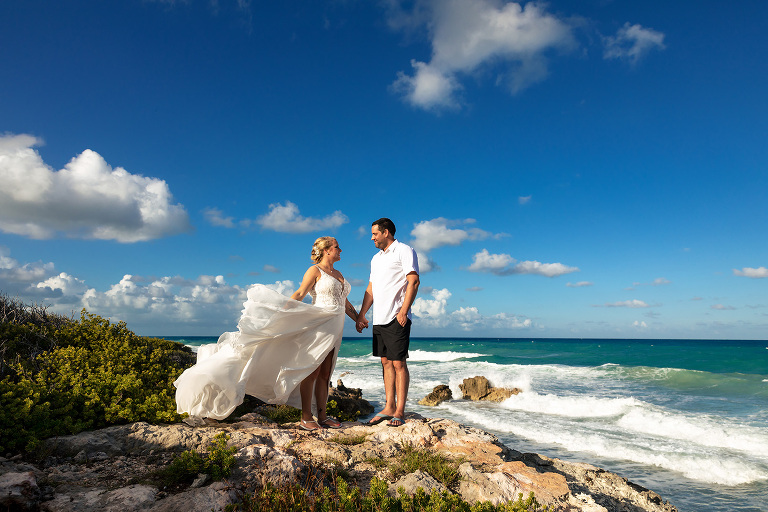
{"points": [[592, 169]]}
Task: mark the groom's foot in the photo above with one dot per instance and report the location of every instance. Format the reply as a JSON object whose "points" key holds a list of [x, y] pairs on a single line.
{"points": [[378, 418]]}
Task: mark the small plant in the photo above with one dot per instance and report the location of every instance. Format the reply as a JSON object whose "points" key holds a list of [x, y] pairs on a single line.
{"points": [[440, 467], [217, 463], [280, 413]]}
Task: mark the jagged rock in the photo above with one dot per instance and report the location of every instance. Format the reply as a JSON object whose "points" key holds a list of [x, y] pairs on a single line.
{"points": [[438, 395], [350, 401], [478, 388], [19, 491], [412, 481], [268, 453]]}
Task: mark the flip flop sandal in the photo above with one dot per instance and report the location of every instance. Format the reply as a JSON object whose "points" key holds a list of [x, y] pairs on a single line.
{"points": [[396, 422], [377, 419], [307, 425], [330, 422]]}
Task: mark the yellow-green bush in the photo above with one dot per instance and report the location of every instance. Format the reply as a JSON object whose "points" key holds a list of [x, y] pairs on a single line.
{"points": [[82, 374]]}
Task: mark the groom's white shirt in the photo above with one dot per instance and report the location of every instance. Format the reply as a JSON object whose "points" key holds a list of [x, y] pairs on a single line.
{"points": [[388, 281]]}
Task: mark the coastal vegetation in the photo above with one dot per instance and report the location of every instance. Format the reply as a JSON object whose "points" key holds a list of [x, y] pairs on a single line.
{"points": [[60, 375], [342, 497]]}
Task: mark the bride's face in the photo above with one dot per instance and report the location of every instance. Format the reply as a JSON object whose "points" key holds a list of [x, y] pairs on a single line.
{"points": [[333, 252]]}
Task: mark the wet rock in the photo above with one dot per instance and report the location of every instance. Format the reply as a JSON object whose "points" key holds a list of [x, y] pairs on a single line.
{"points": [[438, 395], [478, 388]]}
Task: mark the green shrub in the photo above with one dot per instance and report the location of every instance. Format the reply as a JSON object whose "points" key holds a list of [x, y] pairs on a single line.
{"points": [[217, 463], [280, 413], [442, 469], [346, 498], [66, 376]]}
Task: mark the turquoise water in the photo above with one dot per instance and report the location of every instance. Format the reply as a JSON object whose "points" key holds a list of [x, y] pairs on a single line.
{"points": [[686, 418]]}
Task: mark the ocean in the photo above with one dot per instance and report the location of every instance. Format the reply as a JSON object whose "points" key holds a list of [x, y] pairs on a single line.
{"points": [[685, 418]]}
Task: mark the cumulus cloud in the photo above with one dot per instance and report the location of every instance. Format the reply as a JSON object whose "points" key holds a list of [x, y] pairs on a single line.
{"points": [[86, 199], [632, 42], [755, 273], [440, 232], [15, 276], [432, 234], [504, 264], [286, 219], [434, 313], [472, 35], [639, 324]]}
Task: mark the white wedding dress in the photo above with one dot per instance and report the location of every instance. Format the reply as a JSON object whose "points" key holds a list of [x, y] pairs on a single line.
{"points": [[279, 342]]}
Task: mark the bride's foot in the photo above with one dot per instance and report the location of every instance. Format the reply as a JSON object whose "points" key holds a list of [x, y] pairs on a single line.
{"points": [[310, 425], [330, 422]]}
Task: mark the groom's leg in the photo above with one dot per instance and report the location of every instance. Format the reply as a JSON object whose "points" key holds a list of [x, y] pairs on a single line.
{"points": [[388, 372]]}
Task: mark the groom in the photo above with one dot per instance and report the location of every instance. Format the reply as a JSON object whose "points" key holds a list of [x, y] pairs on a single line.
{"points": [[393, 285]]}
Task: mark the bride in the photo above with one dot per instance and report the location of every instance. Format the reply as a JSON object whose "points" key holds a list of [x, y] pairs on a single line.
{"points": [[283, 353]]}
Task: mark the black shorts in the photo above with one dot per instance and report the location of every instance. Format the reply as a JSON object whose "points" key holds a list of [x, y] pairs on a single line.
{"points": [[392, 340]]}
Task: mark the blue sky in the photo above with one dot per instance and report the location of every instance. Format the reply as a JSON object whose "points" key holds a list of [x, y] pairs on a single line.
{"points": [[564, 169]]}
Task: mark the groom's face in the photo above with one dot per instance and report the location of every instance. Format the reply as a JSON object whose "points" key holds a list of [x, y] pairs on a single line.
{"points": [[379, 237]]}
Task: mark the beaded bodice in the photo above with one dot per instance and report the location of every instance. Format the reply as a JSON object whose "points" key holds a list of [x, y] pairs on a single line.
{"points": [[329, 292]]}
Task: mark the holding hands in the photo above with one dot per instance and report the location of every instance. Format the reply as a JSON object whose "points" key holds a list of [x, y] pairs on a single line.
{"points": [[362, 323]]}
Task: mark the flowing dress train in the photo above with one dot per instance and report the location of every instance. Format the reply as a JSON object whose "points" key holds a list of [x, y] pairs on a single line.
{"points": [[279, 342]]}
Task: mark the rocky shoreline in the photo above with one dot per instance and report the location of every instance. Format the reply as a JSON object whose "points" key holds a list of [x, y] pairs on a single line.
{"points": [[107, 469]]}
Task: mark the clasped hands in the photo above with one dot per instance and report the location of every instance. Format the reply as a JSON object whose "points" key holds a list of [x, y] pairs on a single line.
{"points": [[362, 323]]}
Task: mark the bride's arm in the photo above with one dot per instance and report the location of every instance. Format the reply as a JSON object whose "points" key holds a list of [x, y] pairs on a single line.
{"points": [[310, 278], [350, 310]]}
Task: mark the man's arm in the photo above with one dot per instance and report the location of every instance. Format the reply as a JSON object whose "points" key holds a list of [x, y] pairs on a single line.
{"points": [[362, 322], [412, 288]]}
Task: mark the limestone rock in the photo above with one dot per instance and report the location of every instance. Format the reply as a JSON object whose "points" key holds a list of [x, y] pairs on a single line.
{"points": [[412, 481], [478, 388], [438, 395], [113, 459]]}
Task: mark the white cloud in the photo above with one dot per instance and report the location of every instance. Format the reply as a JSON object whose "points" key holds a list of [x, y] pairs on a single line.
{"points": [[434, 313], [469, 35], [86, 199], [580, 284], [13, 274], [432, 234], [286, 219], [524, 199], [755, 273], [67, 288], [722, 307], [271, 268], [431, 311], [632, 42], [215, 217], [634, 303], [504, 264], [639, 324]]}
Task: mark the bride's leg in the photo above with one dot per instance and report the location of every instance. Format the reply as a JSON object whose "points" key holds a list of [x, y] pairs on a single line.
{"points": [[305, 388], [321, 387]]}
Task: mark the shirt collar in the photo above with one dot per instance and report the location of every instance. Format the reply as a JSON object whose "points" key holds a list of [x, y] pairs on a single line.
{"points": [[391, 246]]}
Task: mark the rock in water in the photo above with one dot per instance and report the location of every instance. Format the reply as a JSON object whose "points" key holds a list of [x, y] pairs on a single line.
{"points": [[438, 395], [478, 388]]}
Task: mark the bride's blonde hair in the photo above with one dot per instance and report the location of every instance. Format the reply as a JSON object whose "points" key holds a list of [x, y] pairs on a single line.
{"points": [[320, 245]]}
